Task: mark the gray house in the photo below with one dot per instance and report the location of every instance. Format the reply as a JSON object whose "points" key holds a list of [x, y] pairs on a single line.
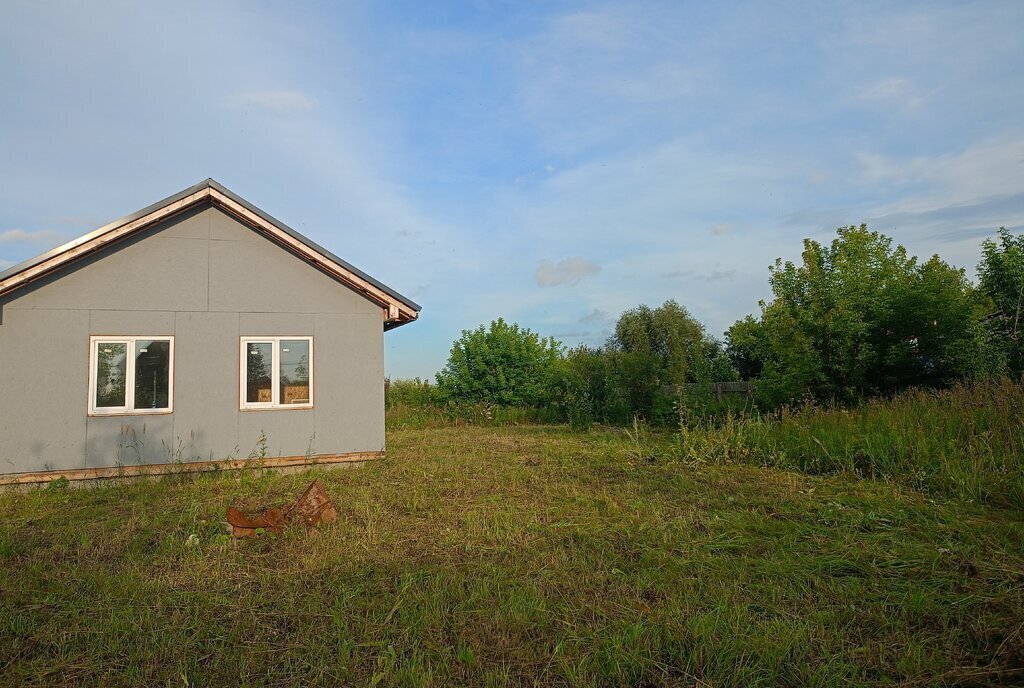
{"points": [[195, 333]]}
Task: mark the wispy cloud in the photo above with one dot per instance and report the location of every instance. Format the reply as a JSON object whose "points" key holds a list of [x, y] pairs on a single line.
{"points": [[679, 151], [891, 91], [719, 275], [565, 272], [617, 64], [274, 101], [42, 236]]}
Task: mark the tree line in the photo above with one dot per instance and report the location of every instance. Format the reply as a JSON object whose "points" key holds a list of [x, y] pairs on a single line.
{"points": [[856, 318]]}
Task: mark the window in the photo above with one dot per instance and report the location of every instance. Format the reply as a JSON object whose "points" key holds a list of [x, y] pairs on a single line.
{"points": [[276, 372], [130, 375]]}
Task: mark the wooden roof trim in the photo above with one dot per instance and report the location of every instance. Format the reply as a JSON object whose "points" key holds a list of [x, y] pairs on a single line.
{"points": [[77, 251], [395, 311], [391, 305]]}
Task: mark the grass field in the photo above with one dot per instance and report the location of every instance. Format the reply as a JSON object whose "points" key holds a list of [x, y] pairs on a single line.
{"points": [[516, 556]]}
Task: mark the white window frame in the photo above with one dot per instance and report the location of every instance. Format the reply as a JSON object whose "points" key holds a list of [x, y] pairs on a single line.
{"points": [[129, 392], [275, 377]]}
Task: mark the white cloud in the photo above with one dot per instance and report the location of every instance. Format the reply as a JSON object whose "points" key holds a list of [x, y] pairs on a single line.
{"points": [[568, 272], [984, 169], [41, 236], [892, 91], [276, 101]]}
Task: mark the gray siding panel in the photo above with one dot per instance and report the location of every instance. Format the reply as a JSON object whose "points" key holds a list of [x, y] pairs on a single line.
{"points": [[206, 373], [150, 274], [350, 411], [205, 278], [288, 432], [44, 375], [259, 276], [276, 324], [131, 323], [128, 440], [224, 227]]}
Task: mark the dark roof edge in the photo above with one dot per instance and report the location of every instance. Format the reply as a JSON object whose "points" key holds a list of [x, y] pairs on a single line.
{"points": [[206, 183]]}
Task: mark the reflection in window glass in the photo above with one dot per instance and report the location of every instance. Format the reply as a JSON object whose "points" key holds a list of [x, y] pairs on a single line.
{"points": [[259, 366], [294, 371], [111, 371], [152, 373]]}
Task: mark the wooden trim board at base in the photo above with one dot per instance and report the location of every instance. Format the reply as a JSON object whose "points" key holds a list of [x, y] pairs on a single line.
{"points": [[187, 467]]}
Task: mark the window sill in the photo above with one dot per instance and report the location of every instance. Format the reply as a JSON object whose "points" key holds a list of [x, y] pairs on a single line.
{"points": [[108, 414], [289, 407]]}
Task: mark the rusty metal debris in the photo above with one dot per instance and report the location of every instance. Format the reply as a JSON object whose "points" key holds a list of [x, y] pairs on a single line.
{"points": [[311, 509]]}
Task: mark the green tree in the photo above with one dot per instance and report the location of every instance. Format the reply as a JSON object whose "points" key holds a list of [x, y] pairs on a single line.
{"points": [[669, 345], [1001, 274], [859, 317], [503, 365], [746, 347], [653, 348], [585, 386]]}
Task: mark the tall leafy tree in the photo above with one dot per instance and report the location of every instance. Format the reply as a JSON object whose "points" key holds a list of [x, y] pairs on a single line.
{"points": [[1001, 274], [652, 348], [502, 364], [671, 345], [860, 316]]}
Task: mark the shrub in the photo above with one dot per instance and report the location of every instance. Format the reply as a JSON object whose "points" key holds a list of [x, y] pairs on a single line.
{"points": [[503, 365]]}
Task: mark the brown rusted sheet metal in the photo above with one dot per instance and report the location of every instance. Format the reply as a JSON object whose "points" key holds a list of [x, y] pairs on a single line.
{"points": [[311, 509]]}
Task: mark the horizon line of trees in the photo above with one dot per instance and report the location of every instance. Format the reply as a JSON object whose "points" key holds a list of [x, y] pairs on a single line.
{"points": [[855, 318]]}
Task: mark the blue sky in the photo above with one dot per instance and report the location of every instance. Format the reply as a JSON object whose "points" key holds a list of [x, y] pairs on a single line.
{"points": [[552, 163]]}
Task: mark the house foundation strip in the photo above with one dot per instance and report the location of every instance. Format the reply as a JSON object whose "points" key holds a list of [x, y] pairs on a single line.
{"points": [[161, 469]]}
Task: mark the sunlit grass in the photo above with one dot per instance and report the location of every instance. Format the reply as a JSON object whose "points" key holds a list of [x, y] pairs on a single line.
{"points": [[515, 556]]}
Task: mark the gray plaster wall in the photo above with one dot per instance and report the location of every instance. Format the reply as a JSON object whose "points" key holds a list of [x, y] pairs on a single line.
{"points": [[207, 279]]}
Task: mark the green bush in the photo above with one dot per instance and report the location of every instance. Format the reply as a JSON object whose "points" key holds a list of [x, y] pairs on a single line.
{"points": [[502, 365], [415, 392]]}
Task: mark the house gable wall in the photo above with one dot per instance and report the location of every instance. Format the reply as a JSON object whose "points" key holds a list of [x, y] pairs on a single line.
{"points": [[208, 279]]}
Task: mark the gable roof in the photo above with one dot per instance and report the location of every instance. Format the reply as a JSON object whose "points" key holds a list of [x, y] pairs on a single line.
{"points": [[398, 309]]}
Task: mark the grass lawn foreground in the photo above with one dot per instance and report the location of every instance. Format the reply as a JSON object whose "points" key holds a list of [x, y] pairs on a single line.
{"points": [[514, 556]]}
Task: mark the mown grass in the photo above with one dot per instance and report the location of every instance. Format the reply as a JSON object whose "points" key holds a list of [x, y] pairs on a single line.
{"points": [[967, 441], [515, 556]]}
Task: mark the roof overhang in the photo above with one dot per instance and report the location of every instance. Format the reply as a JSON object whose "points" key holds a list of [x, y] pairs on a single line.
{"points": [[397, 309]]}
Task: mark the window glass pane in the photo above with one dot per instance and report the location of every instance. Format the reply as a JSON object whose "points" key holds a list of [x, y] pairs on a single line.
{"points": [[111, 370], [294, 371], [258, 367], [152, 373]]}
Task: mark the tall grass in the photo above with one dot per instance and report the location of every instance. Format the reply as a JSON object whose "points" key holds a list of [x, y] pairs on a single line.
{"points": [[966, 442], [454, 415], [418, 404]]}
